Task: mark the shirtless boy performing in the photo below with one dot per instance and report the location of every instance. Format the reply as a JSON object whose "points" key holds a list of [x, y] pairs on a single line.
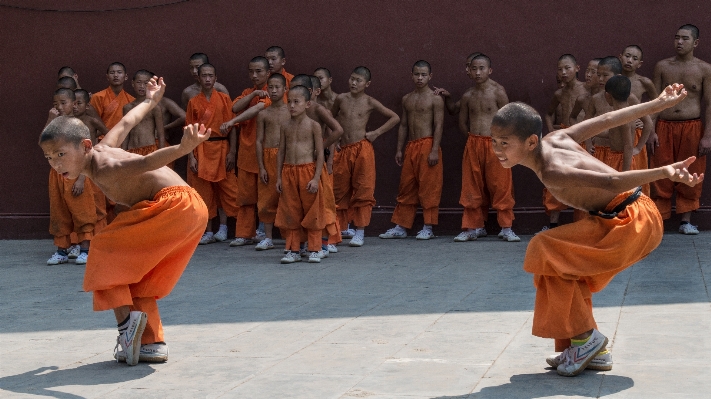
{"points": [[571, 262], [141, 255]]}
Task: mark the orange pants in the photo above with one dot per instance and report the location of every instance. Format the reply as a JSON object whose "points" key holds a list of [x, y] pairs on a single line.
{"points": [[551, 203], [354, 183], [485, 182], [100, 204], [615, 160], [299, 209], [332, 229], [678, 140], [247, 199], [420, 183], [144, 150], [69, 214], [267, 195], [221, 193], [139, 257], [571, 262], [601, 152], [640, 161]]}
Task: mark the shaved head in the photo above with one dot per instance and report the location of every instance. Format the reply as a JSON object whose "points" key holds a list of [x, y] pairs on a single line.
{"points": [[65, 71], [65, 92], [363, 71], [116, 63], [422, 64], [66, 128], [67, 82], [260, 59], [324, 70], [200, 56], [279, 77], [143, 72], [315, 82], [276, 49], [83, 94], [299, 89], [520, 119], [568, 57], [613, 63], [302, 80], [692, 28]]}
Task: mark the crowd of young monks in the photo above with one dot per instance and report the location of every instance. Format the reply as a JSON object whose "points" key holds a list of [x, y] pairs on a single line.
{"points": [[239, 171]]}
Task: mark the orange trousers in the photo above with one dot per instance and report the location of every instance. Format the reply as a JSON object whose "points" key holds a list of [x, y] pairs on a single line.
{"points": [[640, 161], [299, 209], [139, 257], [354, 183], [678, 140], [267, 195], [216, 194], [615, 160], [601, 152], [485, 183], [144, 150], [420, 183], [572, 261], [247, 199], [68, 213], [332, 231]]}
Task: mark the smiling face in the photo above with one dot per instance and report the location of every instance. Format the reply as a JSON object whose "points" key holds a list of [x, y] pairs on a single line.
{"points": [[66, 158], [509, 148]]}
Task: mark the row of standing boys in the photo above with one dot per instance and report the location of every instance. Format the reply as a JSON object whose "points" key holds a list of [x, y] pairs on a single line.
{"points": [[313, 186]]}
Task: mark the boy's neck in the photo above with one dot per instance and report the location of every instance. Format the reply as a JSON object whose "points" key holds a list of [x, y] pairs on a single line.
{"points": [[117, 89], [279, 103], [534, 160], [423, 89], [299, 117], [570, 85], [206, 91], [629, 74], [88, 160], [259, 86], [358, 94], [685, 57], [325, 93], [481, 85]]}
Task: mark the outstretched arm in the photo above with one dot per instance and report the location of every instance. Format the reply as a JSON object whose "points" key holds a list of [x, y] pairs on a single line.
{"points": [[154, 92], [671, 96]]}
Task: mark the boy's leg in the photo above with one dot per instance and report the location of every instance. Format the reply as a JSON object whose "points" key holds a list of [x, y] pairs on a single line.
{"points": [[430, 187], [363, 185], [473, 197], [342, 192], [407, 199], [247, 202], [663, 189]]}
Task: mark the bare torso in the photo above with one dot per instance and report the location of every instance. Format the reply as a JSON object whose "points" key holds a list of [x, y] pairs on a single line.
{"points": [[621, 135], [327, 101], [420, 108], [96, 127], [300, 137], [693, 75], [640, 86], [567, 95], [274, 118], [481, 104], [353, 115], [144, 134]]}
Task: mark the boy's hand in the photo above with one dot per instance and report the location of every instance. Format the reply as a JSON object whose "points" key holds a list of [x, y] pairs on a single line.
{"points": [[371, 136], [672, 95], [260, 93], [652, 143], [155, 89], [704, 146], [225, 128], [398, 158], [264, 176], [278, 186], [78, 187], [312, 186], [438, 91], [54, 112], [192, 163], [230, 161], [433, 158], [679, 172], [193, 135]]}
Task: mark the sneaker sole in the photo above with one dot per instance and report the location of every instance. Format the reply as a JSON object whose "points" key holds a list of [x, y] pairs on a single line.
{"points": [[58, 263], [424, 238], [136, 342], [265, 249], [392, 237], [584, 365], [351, 244], [469, 239], [599, 367], [314, 260], [146, 358]]}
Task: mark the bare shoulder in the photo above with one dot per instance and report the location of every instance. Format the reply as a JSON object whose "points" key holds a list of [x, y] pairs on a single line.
{"points": [[221, 88], [437, 100], [664, 63]]}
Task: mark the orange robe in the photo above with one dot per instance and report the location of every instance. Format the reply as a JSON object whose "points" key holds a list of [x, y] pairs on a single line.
{"points": [[420, 183], [601, 153], [248, 169], [299, 209], [332, 231], [145, 150], [68, 213], [485, 183], [109, 106], [268, 197], [139, 257], [678, 140], [573, 261], [212, 181], [354, 183], [640, 161]]}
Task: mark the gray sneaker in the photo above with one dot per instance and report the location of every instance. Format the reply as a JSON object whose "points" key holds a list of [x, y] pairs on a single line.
{"points": [[150, 353]]}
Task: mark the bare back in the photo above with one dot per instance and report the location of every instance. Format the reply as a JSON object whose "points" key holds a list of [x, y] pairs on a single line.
{"points": [[480, 105], [300, 138], [353, 115], [621, 136], [694, 75], [420, 109], [144, 134], [327, 101], [274, 119]]}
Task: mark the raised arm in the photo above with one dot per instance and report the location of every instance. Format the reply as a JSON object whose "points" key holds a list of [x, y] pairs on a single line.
{"points": [[393, 120], [671, 96], [154, 92]]}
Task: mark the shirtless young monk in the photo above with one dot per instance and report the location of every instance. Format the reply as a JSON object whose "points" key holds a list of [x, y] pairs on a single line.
{"points": [[126, 274], [571, 262], [194, 89], [591, 85], [452, 107], [327, 96], [679, 131], [421, 176], [95, 125], [631, 59], [484, 182], [141, 139], [354, 164]]}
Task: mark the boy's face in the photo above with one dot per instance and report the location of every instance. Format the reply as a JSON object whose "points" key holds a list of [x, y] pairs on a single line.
{"points": [[591, 74], [604, 73], [479, 70], [207, 78], [325, 80], [116, 75], [80, 106], [421, 76], [631, 59], [297, 103], [276, 63], [194, 64], [139, 85], [509, 148], [684, 42], [66, 158], [276, 90], [567, 70], [258, 73], [357, 83], [63, 104]]}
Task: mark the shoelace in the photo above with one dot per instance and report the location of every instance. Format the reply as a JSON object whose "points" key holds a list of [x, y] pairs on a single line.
{"points": [[116, 348], [565, 357]]}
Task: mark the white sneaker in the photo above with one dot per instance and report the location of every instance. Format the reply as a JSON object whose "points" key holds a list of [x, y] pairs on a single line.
{"points": [[259, 236], [465, 236], [207, 238], [315, 257], [221, 235], [601, 362], [356, 241], [150, 353], [544, 229], [291, 257], [577, 358], [82, 258], [688, 229], [57, 259], [332, 248], [323, 253], [425, 234], [480, 232], [349, 233], [509, 236], [395, 232], [130, 340], [73, 251], [239, 241], [265, 244]]}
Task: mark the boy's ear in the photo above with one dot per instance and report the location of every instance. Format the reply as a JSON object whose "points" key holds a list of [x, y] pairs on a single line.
{"points": [[367, 83], [608, 98], [87, 145], [532, 141]]}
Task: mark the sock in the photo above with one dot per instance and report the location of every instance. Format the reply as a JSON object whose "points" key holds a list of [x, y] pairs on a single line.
{"points": [[579, 342], [360, 232], [553, 225], [505, 230], [62, 252], [84, 251], [123, 326], [223, 227], [683, 223], [427, 227], [471, 230]]}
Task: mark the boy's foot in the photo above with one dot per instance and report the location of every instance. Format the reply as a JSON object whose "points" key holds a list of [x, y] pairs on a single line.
{"points": [[332, 248], [509, 236], [323, 253], [480, 232], [465, 236], [239, 241], [130, 340], [150, 353], [577, 358], [315, 257], [356, 241], [73, 252], [82, 258], [221, 235], [349, 233], [291, 257], [395, 232], [207, 238], [425, 234], [259, 236], [57, 258], [303, 252], [689, 229], [544, 229], [265, 244], [601, 362]]}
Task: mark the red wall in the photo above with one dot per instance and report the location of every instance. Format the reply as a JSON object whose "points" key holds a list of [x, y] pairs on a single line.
{"points": [[523, 39]]}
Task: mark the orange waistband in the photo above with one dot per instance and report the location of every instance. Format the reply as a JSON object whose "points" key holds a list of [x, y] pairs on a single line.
{"points": [[619, 198], [144, 148], [415, 141], [479, 136], [299, 165], [173, 190], [270, 150], [696, 120], [356, 143]]}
